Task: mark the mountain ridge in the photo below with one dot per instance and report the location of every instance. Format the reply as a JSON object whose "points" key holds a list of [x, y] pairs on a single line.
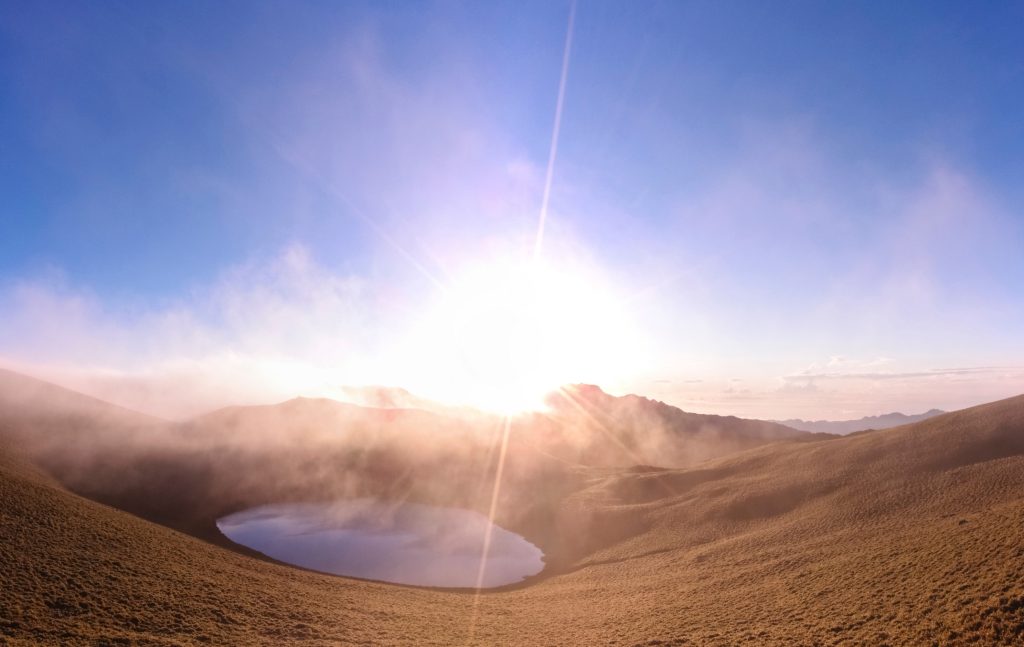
{"points": [[883, 421]]}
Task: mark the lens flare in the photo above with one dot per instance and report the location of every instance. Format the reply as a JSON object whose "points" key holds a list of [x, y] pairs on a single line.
{"points": [[506, 333]]}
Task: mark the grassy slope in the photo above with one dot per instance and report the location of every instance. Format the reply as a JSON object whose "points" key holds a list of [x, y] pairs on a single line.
{"points": [[913, 535]]}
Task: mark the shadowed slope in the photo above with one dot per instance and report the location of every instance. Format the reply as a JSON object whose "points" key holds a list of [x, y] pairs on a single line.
{"points": [[80, 440], [77, 572], [24, 397], [186, 475]]}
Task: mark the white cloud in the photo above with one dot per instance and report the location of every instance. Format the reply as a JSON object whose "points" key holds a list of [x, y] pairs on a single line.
{"points": [[260, 331]]}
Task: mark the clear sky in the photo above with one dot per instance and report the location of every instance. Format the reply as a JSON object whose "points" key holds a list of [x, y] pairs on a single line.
{"points": [[775, 209]]}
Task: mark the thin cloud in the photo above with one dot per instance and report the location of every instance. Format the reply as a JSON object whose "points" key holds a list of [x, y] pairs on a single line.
{"points": [[260, 330], [970, 370]]}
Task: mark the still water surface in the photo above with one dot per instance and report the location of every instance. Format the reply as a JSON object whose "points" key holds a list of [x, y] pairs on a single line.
{"points": [[407, 543]]}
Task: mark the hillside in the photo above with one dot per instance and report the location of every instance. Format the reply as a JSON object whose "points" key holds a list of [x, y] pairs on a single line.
{"points": [[905, 536], [589, 426], [25, 400]]}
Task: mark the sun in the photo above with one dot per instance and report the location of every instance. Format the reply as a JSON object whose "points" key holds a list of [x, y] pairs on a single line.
{"points": [[505, 333]]}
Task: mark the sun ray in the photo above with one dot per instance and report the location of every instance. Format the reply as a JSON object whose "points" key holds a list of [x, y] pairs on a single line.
{"points": [[495, 492], [553, 149]]}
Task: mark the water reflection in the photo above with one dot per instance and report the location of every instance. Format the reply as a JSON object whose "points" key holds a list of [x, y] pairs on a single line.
{"points": [[406, 543]]}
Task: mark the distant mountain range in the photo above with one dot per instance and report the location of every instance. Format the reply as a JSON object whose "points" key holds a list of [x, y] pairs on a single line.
{"points": [[884, 421]]}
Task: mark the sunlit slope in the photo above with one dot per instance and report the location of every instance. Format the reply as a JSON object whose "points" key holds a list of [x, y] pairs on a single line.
{"points": [[906, 536]]}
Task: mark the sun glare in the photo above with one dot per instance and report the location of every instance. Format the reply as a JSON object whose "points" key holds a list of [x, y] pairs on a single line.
{"points": [[506, 333]]}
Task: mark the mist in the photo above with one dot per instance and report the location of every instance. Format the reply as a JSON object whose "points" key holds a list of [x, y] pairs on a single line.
{"points": [[515, 471]]}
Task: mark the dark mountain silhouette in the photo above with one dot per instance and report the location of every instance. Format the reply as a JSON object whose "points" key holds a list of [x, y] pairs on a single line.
{"points": [[589, 426]]}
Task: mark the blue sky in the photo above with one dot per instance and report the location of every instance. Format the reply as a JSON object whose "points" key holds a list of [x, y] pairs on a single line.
{"points": [[806, 209]]}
